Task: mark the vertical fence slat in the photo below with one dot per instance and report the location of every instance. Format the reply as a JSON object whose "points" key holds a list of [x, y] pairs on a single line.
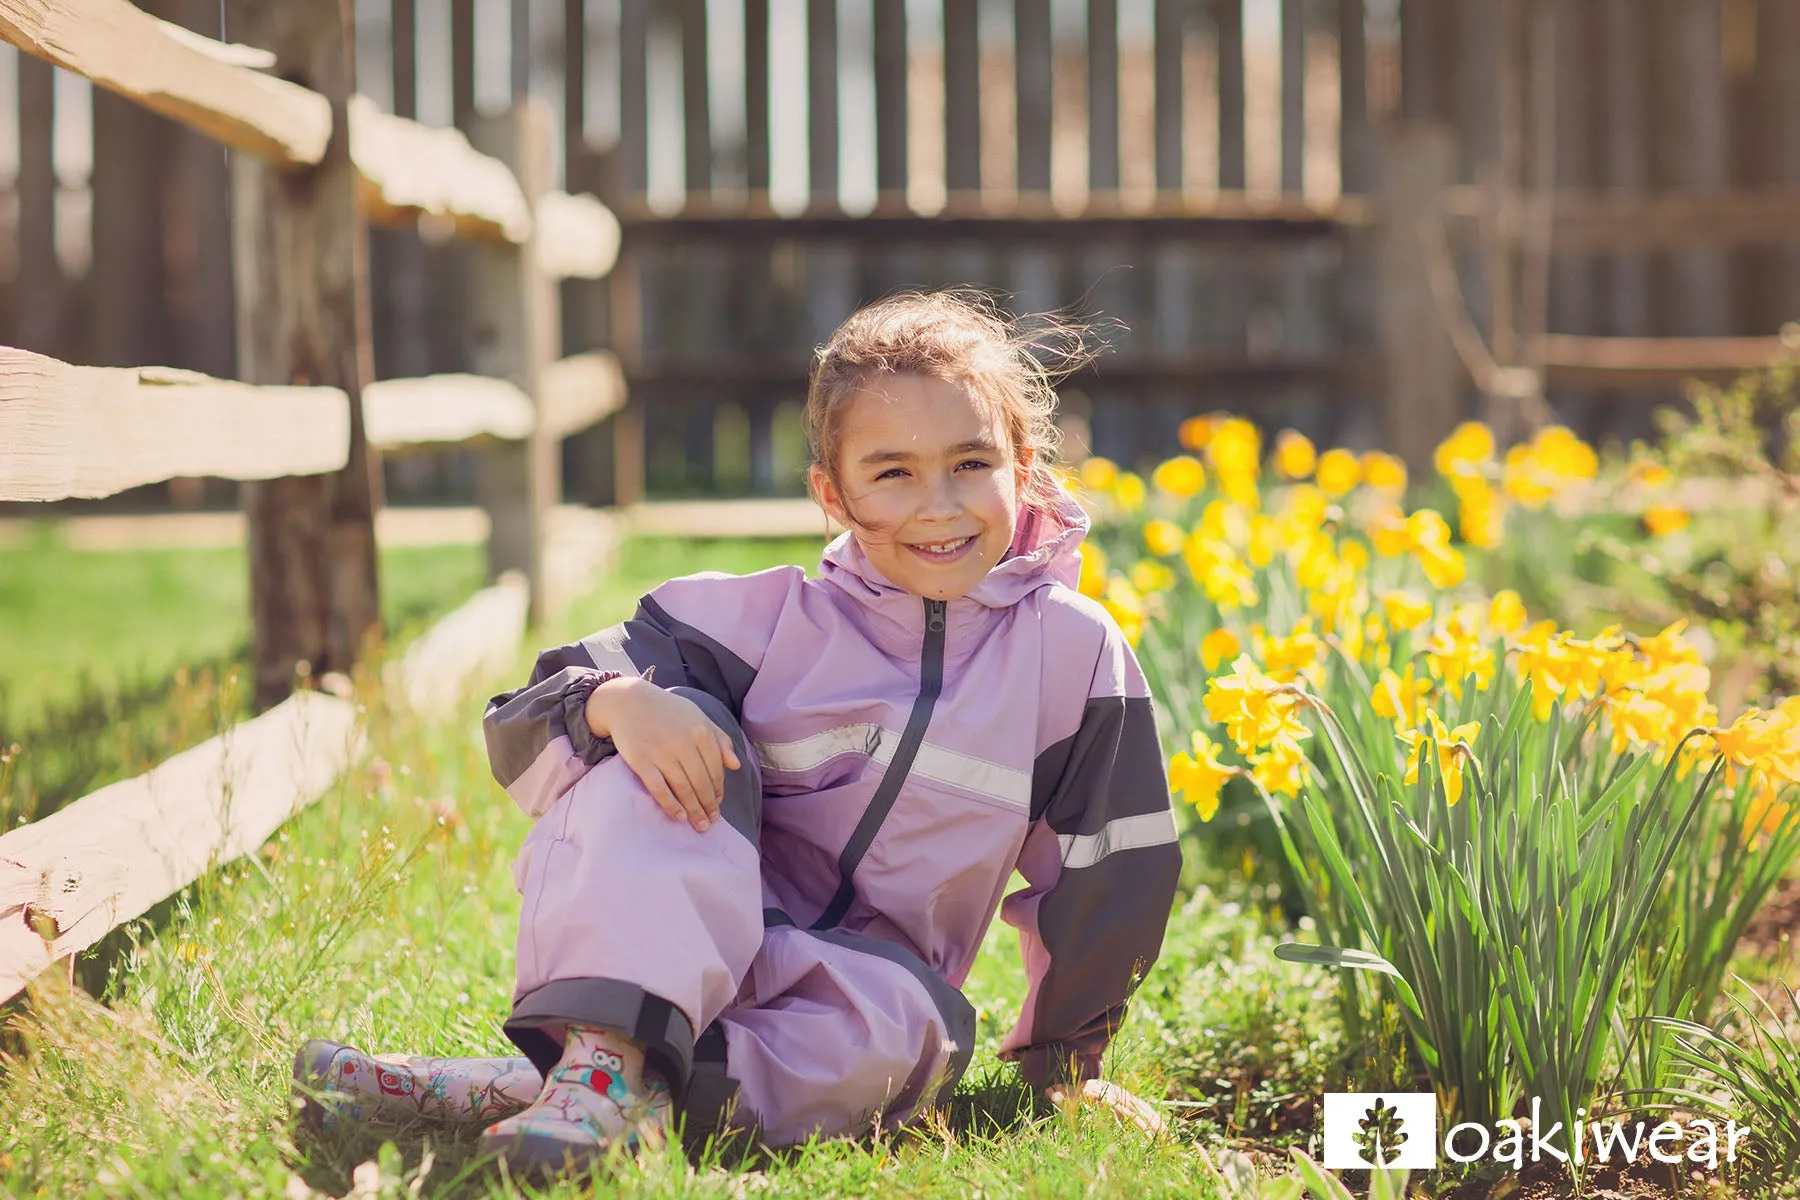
{"points": [[1293, 96], [1103, 95], [1695, 150], [201, 297], [1624, 149], [756, 101], [520, 47], [406, 58], [1424, 43], [1577, 62], [1355, 149], [628, 290], [462, 63], [574, 94], [822, 102], [696, 114], [890, 103], [1228, 21], [1779, 69], [634, 113], [962, 98], [127, 311], [40, 284], [1168, 30], [1032, 52]]}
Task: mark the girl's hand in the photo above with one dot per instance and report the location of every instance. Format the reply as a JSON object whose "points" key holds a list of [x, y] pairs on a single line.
{"points": [[669, 743], [1122, 1104]]}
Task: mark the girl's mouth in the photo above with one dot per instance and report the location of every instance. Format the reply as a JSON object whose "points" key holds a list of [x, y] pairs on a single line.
{"points": [[942, 552]]}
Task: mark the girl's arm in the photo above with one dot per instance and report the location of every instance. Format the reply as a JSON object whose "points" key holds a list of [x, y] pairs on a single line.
{"points": [[538, 738], [1102, 864]]}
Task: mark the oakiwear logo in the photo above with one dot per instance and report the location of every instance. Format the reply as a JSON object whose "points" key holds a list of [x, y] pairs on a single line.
{"points": [[1400, 1129]]}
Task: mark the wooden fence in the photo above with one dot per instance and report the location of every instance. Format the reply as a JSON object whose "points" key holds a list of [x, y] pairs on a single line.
{"points": [[307, 427]]}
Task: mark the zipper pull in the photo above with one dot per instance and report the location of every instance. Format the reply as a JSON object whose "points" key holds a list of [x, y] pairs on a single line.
{"points": [[934, 616]]}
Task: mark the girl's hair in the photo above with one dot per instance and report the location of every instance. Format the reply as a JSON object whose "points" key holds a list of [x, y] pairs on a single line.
{"points": [[1009, 365]]}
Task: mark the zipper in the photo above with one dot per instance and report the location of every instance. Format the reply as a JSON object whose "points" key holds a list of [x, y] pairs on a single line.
{"points": [[931, 682]]}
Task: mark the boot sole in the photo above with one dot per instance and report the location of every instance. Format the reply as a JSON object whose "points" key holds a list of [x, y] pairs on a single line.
{"points": [[310, 1067]]}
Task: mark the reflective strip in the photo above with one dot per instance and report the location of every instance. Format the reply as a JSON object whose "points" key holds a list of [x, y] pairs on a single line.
{"points": [[1126, 833], [607, 648], [977, 775]]}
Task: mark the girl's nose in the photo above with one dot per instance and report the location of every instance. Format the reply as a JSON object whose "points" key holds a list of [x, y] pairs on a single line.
{"points": [[940, 495]]}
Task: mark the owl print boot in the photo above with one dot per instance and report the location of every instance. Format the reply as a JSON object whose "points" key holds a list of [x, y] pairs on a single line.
{"points": [[335, 1083], [597, 1097]]}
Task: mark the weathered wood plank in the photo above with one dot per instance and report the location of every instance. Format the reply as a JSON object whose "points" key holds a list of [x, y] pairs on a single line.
{"points": [[1293, 95], [82, 432], [1355, 145], [1424, 383], [1572, 355], [108, 857], [756, 102], [822, 102], [40, 276], [445, 409], [406, 168]]}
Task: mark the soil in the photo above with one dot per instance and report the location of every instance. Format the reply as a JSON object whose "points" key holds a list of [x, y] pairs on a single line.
{"points": [[1771, 932], [1640, 1181]]}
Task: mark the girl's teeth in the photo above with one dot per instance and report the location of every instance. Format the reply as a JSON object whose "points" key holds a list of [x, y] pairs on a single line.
{"points": [[945, 547]]}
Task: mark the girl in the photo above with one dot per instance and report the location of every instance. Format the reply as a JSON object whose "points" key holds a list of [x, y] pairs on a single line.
{"points": [[775, 814]]}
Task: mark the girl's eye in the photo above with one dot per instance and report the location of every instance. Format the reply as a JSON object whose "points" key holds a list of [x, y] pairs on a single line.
{"points": [[891, 471], [973, 462]]}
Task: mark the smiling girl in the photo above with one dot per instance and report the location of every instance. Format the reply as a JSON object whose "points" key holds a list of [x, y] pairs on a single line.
{"points": [[776, 815]]}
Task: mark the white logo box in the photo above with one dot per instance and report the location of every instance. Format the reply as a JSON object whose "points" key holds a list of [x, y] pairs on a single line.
{"points": [[1416, 1115]]}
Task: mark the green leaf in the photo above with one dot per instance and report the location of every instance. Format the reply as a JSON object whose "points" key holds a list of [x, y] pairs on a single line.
{"points": [[1322, 1184]]}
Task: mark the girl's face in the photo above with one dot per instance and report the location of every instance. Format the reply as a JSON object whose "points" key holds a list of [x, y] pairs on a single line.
{"points": [[932, 482]]}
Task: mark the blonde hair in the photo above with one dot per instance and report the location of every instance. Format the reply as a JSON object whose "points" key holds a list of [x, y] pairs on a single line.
{"points": [[1009, 365]]}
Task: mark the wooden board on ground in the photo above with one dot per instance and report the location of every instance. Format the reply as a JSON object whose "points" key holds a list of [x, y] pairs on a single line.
{"points": [[471, 645], [580, 545], [105, 859], [84, 432], [445, 409]]}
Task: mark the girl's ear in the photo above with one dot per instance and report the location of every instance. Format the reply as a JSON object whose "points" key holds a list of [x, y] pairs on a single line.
{"points": [[826, 493]]}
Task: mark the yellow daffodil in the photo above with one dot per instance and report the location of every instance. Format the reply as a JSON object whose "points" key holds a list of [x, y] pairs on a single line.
{"points": [[1198, 776], [1664, 519], [1506, 612], [1217, 647], [1454, 657], [1282, 768], [1181, 476], [1196, 432], [1454, 748], [1150, 577], [1481, 518], [1163, 537], [1400, 698], [1099, 474], [1649, 473], [1338, 472], [1468, 446], [1405, 610], [1251, 707], [1093, 571], [1128, 491], [1383, 472], [1126, 606], [1284, 658], [1295, 456]]}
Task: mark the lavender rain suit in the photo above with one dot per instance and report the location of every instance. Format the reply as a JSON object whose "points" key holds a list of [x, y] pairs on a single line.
{"points": [[901, 756]]}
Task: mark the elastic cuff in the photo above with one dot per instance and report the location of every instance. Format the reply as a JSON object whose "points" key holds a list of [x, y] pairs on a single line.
{"points": [[574, 707], [662, 1029], [1042, 1066]]}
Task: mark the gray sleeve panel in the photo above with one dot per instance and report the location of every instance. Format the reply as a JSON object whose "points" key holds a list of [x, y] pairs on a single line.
{"points": [[519, 724], [1110, 767], [1102, 924]]}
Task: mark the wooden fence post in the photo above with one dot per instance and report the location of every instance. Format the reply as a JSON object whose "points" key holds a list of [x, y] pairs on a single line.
{"points": [[1424, 382], [303, 318], [514, 332]]}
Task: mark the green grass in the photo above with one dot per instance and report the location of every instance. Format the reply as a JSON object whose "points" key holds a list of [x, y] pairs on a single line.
{"points": [[385, 916], [111, 661]]}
